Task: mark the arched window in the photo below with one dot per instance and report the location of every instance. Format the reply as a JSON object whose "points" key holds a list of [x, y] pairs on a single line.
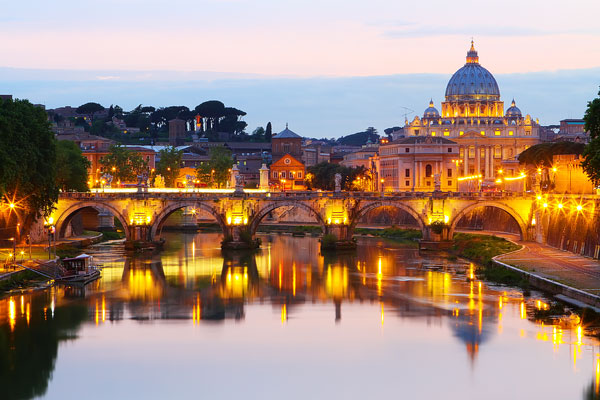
{"points": [[428, 170]]}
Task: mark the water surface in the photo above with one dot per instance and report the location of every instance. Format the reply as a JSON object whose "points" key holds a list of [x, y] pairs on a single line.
{"points": [[287, 322]]}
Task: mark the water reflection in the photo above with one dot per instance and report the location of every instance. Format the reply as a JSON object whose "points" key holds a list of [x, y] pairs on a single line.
{"points": [[193, 282]]}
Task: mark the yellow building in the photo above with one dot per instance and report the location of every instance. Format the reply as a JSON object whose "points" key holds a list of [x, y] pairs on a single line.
{"points": [[473, 116]]}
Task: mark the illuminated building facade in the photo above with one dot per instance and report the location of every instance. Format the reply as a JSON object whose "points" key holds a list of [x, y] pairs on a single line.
{"points": [[417, 163], [473, 116]]}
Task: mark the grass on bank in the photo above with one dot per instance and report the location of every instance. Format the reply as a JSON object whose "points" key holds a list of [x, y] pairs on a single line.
{"points": [[396, 234], [481, 249], [21, 279]]}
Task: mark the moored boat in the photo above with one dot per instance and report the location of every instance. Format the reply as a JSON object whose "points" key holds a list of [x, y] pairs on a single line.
{"points": [[79, 270]]}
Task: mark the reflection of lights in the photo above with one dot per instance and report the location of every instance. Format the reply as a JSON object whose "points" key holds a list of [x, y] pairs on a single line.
{"points": [[283, 314], [103, 309], [11, 314], [381, 313], [523, 311]]}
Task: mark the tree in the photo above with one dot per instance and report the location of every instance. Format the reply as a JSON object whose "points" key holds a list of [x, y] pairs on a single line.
{"points": [[268, 132], [322, 176], [123, 164], [541, 154], [591, 153], [27, 155], [73, 166], [169, 165], [89, 109], [217, 170]]}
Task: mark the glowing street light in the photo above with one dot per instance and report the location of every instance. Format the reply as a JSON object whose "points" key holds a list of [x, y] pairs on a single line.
{"points": [[560, 205], [579, 207]]}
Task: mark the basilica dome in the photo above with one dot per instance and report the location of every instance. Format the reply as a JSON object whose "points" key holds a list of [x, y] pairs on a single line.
{"points": [[431, 111], [513, 110], [472, 82]]}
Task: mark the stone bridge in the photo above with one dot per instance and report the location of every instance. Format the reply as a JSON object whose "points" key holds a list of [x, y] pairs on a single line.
{"points": [[143, 215]]}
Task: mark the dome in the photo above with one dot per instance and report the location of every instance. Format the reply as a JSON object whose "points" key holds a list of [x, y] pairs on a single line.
{"points": [[513, 110], [431, 111], [472, 81]]}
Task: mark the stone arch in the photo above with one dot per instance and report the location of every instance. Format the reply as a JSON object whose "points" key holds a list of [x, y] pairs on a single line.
{"points": [[387, 203], [509, 210], [162, 216], [257, 218], [65, 217]]}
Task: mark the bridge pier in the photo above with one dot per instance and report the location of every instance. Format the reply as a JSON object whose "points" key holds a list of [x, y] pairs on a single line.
{"points": [[337, 237], [239, 237]]}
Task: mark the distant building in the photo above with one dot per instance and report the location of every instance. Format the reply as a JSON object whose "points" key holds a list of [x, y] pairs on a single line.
{"points": [[315, 153], [286, 142], [360, 158], [569, 176], [572, 130], [177, 130], [415, 163], [6, 96], [287, 173]]}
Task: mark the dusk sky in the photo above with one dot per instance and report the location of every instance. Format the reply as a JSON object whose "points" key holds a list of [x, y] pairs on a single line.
{"points": [[328, 68]]}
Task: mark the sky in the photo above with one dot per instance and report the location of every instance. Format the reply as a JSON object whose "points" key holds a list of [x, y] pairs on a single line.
{"points": [[327, 67]]}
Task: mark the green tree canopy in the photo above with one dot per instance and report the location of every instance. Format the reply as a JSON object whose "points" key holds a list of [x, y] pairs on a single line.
{"points": [[71, 175], [217, 170], [591, 162], [89, 109], [123, 164], [322, 176], [541, 154], [27, 155], [268, 132], [169, 165]]}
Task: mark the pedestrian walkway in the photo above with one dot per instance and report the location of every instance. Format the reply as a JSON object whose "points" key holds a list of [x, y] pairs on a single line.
{"points": [[557, 265]]}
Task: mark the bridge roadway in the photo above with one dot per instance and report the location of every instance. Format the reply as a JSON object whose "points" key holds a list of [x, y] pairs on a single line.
{"points": [[143, 214]]}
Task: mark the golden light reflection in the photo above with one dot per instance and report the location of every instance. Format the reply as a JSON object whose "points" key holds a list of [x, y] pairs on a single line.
{"points": [[103, 309], [523, 311], [336, 282], [381, 304], [28, 313], [11, 314], [283, 314], [597, 387]]}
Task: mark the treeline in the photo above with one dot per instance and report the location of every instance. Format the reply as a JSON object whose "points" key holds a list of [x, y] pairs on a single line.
{"points": [[214, 118]]}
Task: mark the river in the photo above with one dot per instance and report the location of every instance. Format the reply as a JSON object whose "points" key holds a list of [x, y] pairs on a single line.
{"points": [[287, 322]]}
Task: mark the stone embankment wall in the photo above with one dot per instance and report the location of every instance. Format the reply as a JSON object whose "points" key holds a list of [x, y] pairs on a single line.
{"points": [[574, 231]]}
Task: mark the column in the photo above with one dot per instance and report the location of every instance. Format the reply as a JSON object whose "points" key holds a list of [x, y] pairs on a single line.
{"points": [[477, 160], [492, 172], [465, 161], [487, 162]]}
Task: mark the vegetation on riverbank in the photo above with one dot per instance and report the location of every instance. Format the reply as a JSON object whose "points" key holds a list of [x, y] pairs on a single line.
{"points": [[408, 236], [481, 249], [21, 279]]}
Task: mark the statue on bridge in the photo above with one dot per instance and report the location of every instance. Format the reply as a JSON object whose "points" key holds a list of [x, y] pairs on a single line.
{"points": [[239, 184], [338, 182], [437, 183], [108, 178]]}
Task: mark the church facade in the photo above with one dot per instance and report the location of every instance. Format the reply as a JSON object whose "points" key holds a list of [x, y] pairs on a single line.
{"points": [[473, 117]]}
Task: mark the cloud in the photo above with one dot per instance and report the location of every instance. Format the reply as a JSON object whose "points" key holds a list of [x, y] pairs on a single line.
{"points": [[403, 29]]}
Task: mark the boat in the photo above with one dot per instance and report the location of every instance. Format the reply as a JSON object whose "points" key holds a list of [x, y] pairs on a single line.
{"points": [[79, 270]]}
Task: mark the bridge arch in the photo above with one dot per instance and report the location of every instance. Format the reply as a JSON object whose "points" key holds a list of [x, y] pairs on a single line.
{"points": [[386, 203], [509, 210], [63, 220], [161, 217], [258, 217]]}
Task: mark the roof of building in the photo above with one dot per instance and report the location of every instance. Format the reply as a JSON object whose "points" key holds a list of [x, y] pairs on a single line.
{"points": [[74, 137], [286, 134], [431, 111], [423, 140], [472, 81], [513, 110]]}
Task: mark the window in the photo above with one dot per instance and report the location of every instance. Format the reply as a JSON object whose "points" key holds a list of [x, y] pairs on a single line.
{"points": [[428, 183], [449, 172], [497, 152], [433, 133], [299, 175], [407, 173], [428, 171], [482, 133], [449, 183], [407, 150], [291, 174], [407, 183], [286, 147], [446, 133], [471, 152], [497, 133], [274, 174], [449, 149], [462, 152], [416, 132], [282, 174], [461, 133], [510, 133]]}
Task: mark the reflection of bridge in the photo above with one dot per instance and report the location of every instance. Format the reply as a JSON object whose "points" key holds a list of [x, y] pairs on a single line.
{"points": [[143, 215]]}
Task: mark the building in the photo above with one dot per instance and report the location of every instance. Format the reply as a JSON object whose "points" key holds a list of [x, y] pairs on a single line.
{"points": [[286, 142], [572, 130], [177, 130], [315, 153], [287, 171], [473, 116], [360, 158], [418, 163], [568, 176]]}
